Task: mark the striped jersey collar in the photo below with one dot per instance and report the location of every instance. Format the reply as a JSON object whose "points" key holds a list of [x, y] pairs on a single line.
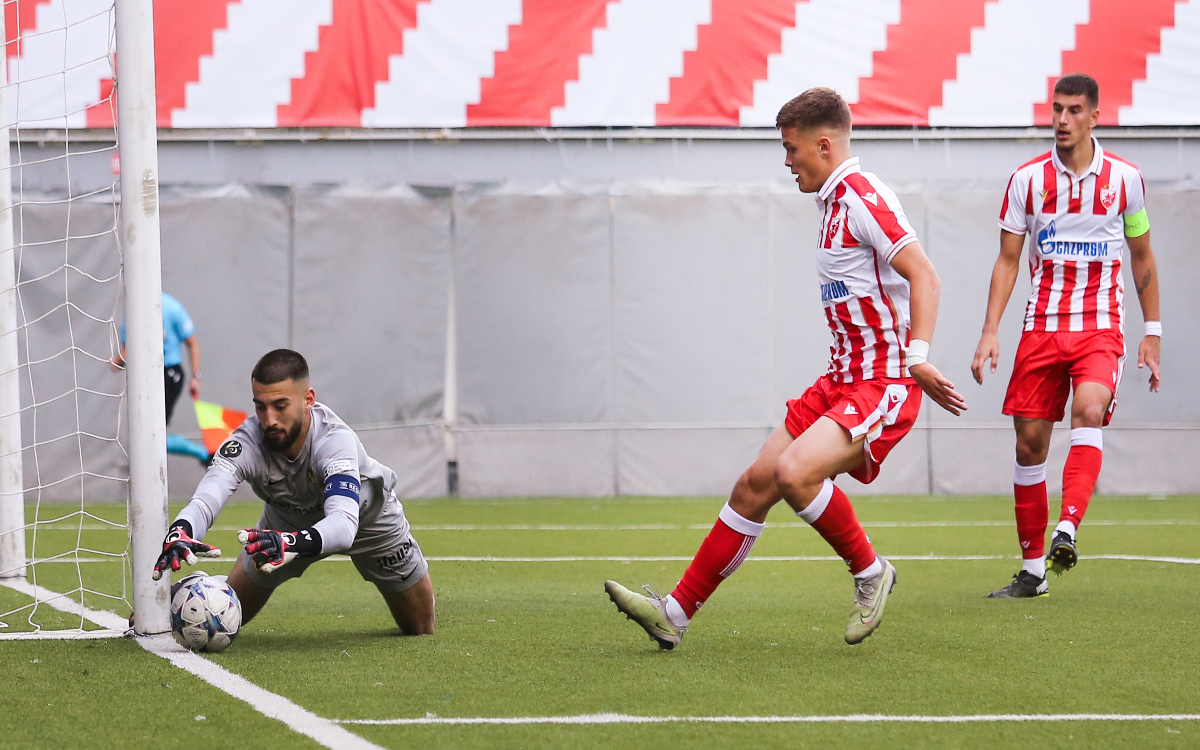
{"points": [[850, 166], [1093, 168]]}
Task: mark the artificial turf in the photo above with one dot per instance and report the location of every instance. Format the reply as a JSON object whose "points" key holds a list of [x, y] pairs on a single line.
{"points": [[519, 639]]}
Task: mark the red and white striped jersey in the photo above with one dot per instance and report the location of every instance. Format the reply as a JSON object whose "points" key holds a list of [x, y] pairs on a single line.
{"points": [[865, 299], [1077, 235]]}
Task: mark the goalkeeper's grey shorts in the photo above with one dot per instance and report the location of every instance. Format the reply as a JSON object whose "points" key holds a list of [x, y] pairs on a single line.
{"points": [[384, 551]]}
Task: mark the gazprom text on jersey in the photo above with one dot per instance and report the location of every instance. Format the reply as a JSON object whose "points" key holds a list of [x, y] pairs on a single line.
{"points": [[834, 290], [1064, 247]]}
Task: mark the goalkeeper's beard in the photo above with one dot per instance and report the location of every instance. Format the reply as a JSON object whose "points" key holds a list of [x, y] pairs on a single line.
{"points": [[279, 444]]}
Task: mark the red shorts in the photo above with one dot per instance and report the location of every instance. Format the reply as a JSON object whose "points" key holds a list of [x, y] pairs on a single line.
{"points": [[881, 411], [1050, 363]]}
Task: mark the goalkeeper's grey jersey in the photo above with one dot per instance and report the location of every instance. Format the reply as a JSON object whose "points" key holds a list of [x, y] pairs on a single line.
{"points": [[295, 490]]}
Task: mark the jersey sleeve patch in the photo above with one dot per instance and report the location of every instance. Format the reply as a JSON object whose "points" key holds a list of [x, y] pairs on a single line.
{"points": [[342, 484]]}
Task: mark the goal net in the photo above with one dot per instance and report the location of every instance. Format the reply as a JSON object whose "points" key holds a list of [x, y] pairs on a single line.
{"points": [[66, 426]]}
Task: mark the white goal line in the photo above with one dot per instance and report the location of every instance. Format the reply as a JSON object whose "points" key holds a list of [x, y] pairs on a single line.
{"points": [[677, 558], [302, 721], [61, 526], [613, 718]]}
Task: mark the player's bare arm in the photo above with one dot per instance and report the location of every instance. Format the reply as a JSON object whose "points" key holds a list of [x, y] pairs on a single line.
{"points": [[912, 263], [1004, 276], [1145, 278], [193, 347]]}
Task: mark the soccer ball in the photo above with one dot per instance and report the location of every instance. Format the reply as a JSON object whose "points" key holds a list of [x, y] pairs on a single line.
{"points": [[205, 613]]}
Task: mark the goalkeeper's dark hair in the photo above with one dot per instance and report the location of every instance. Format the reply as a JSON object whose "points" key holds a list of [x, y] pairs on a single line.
{"points": [[1079, 84], [279, 365]]}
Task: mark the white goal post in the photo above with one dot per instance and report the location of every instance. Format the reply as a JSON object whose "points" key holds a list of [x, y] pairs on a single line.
{"points": [[135, 236], [137, 134], [12, 484]]}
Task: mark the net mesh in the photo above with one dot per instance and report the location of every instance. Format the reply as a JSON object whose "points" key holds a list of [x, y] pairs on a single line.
{"points": [[60, 111]]}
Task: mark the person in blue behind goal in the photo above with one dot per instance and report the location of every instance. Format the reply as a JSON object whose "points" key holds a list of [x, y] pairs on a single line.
{"points": [[178, 332], [323, 495]]}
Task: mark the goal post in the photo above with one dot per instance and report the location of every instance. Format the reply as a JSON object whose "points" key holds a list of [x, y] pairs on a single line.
{"points": [[137, 138], [12, 483]]}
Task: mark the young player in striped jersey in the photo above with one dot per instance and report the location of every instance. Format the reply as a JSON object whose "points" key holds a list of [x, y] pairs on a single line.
{"points": [[1079, 205], [869, 264]]}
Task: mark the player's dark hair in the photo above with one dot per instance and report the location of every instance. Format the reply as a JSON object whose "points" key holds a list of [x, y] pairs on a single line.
{"points": [[279, 365], [815, 108], [1079, 84]]}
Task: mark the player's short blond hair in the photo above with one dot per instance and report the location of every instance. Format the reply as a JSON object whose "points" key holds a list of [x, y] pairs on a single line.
{"points": [[815, 108]]}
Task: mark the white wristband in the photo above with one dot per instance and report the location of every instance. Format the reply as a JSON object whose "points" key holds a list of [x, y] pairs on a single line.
{"points": [[1154, 328], [918, 352]]}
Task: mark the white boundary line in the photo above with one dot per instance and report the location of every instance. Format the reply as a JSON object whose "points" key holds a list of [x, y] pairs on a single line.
{"points": [[58, 526], [61, 635], [327, 733], [302, 721], [848, 719], [299, 720], [681, 558]]}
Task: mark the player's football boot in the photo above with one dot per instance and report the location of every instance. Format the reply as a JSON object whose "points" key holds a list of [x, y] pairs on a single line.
{"points": [[870, 597], [1024, 586], [1062, 555], [648, 611]]}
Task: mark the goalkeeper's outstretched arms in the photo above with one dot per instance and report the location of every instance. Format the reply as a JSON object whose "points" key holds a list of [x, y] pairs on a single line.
{"points": [[271, 550], [183, 541]]}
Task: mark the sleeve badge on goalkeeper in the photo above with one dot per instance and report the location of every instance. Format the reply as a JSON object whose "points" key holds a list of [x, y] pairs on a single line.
{"points": [[271, 550], [180, 546]]}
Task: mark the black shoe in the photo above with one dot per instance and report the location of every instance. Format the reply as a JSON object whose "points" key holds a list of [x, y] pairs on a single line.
{"points": [[1062, 555], [1024, 585]]}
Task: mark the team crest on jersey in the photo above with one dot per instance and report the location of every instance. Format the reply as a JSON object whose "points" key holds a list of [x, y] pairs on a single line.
{"points": [[834, 226], [231, 449], [1108, 196], [313, 479]]}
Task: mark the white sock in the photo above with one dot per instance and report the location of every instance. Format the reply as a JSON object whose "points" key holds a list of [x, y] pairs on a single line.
{"points": [[873, 569], [1066, 526], [678, 618], [1036, 566]]}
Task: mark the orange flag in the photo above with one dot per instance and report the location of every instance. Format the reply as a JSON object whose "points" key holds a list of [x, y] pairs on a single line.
{"points": [[216, 423]]}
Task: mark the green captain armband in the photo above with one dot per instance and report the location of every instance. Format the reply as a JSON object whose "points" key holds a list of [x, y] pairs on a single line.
{"points": [[1137, 225]]}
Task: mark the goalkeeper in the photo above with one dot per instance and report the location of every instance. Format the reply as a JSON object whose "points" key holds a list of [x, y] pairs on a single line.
{"points": [[323, 495]]}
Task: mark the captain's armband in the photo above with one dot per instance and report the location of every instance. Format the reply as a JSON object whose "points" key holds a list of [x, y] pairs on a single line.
{"points": [[342, 484], [1137, 225]]}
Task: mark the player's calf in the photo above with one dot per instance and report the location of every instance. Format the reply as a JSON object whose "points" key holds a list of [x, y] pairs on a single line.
{"points": [[413, 608]]}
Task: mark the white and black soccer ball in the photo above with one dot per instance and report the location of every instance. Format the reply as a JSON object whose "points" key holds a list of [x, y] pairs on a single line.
{"points": [[205, 613]]}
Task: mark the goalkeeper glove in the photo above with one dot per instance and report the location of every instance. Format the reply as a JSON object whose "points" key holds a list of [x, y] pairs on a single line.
{"points": [[271, 550], [179, 545]]}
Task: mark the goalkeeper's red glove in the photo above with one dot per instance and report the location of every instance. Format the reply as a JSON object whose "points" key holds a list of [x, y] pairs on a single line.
{"points": [[271, 550], [179, 545]]}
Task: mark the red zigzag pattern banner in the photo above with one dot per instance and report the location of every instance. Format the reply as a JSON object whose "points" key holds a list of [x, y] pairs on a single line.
{"points": [[729, 63]]}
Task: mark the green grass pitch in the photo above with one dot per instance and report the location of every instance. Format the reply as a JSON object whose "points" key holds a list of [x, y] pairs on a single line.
{"points": [[526, 639]]}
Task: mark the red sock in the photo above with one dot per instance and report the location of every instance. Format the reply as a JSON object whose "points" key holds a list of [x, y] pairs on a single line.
{"points": [[1080, 473], [1033, 509], [831, 514], [723, 551]]}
